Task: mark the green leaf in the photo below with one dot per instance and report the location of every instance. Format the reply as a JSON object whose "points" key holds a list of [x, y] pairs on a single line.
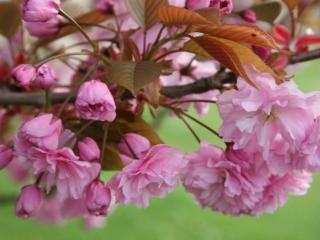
{"points": [[9, 19], [134, 76], [144, 12]]}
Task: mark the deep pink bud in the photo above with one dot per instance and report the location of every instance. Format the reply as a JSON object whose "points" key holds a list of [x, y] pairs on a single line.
{"points": [[281, 35], [43, 29], [29, 201], [262, 52], [45, 77], [305, 41], [98, 198], [6, 156], [23, 74], [249, 16], [95, 102], [40, 10], [89, 150]]}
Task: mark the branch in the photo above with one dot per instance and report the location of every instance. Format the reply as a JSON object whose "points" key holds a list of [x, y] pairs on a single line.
{"points": [[305, 56], [30, 99]]}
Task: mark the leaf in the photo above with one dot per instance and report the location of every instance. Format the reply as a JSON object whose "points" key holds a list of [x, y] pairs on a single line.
{"points": [[144, 12], [291, 4], [9, 19], [267, 12], [171, 16], [234, 56], [134, 76], [211, 14], [93, 17], [193, 47], [126, 122], [239, 33]]}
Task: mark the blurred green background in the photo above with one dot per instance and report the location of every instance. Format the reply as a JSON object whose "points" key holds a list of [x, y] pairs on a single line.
{"points": [[177, 217]]}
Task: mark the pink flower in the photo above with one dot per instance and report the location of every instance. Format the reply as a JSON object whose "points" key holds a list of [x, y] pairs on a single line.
{"points": [[95, 102], [43, 29], [40, 11], [6, 156], [89, 150], [29, 201], [42, 132], [197, 4], [45, 77], [279, 188], [226, 6], [98, 198], [63, 169], [133, 146], [254, 118], [154, 175], [24, 75], [231, 183]]}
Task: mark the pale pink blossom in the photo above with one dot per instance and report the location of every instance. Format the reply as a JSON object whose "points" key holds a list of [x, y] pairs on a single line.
{"points": [[98, 198], [29, 201], [6, 156], [24, 75], [255, 117], [231, 183], [154, 175], [95, 102], [89, 150], [276, 193]]}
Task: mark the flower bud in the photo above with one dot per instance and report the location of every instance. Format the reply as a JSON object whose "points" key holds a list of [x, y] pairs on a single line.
{"points": [[98, 198], [6, 156], [43, 29], [249, 16], [95, 102], [45, 77], [24, 74], [40, 10], [29, 201], [89, 150]]}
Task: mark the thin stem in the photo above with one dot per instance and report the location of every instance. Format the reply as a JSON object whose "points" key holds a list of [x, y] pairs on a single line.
{"points": [[167, 54], [84, 127], [69, 18], [193, 101], [188, 126], [104, 141], [63, 55], [201, 124]]}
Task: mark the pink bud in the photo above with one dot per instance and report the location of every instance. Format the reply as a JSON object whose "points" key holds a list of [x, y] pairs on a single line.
{"points": [[45, 77], [225, 6], [29, 201], [6, 156], [89, 150], [133, 146], [304, 41], [24, 74], [40, 10], [262, 52], [281, 35], [43, 29], [197, 4], [98, 198], [249, 16], [95, 102]]}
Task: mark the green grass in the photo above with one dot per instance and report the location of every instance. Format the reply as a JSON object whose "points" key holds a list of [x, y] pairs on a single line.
{"points": [[177, 217]]}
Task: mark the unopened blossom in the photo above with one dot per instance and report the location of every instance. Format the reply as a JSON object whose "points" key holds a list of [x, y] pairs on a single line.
{"points": [[6, 156], [98, 198], [45, 77], [279, 188], [24, 75], [95, 102], [63, 169], [255, 117], [249, 16], [29, 201], [231, 182], [41, 132], [133, 146], [43, 29], [154, 175], [40, 11], [89, 150], [226, 6]]}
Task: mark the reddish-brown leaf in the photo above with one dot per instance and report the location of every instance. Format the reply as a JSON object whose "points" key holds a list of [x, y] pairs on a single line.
{"points": [[292, 4], [233, 55], [211, 14], [171, 16], [239, 33]]}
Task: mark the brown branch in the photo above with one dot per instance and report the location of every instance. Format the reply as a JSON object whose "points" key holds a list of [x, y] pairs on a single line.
{"points": [[305, 56], [37, 99]]}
